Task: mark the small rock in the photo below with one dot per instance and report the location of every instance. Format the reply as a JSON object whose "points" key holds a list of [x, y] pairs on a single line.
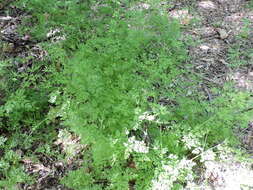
{"points": [[182, 15], [250, 74], [236, 17], [207, 5], [204, 48], [223, 33]]}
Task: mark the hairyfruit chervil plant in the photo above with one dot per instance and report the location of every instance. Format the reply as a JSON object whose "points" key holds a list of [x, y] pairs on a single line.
{"points": [[117, 84], [133, 56]]}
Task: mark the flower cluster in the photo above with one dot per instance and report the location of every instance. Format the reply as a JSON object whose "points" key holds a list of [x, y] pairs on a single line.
{"points": [[134, 145], [192, 143], [147, 116], [172, 171], [207, 155]]}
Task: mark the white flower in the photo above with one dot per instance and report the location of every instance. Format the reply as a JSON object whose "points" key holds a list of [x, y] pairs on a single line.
{"points": [[164, 150], [190, 141], [52, 33], [136, 126], [173, 156], [161, 184], [53, 97], [168, 168], [171, 171], [207, 156], [165, 179], [197, 150], [186, 164], [189, 178], [2, 140], [134, 145], [147, 116]]}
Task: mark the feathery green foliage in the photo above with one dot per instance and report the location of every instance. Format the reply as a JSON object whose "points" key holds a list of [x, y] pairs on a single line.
{"points": [[116, 81]]}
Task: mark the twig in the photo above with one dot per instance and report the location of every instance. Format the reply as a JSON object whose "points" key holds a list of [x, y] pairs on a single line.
{"points": [[245, 110], [207, 79], [207, 92], [207, 150], [203, 77]]}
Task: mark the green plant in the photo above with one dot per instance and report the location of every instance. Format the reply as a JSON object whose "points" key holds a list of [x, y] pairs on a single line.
{"points": [[246, 29], [249, 4], [117, 81], [239, 55], [11, 171], [112, 76]]}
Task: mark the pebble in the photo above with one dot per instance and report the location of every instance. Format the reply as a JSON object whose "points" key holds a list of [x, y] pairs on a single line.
{"points": [[207, 5]]}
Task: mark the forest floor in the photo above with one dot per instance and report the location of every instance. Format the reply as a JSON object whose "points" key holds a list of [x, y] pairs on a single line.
{"points": [[220, 50], [222, 45], [223, 32]]}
